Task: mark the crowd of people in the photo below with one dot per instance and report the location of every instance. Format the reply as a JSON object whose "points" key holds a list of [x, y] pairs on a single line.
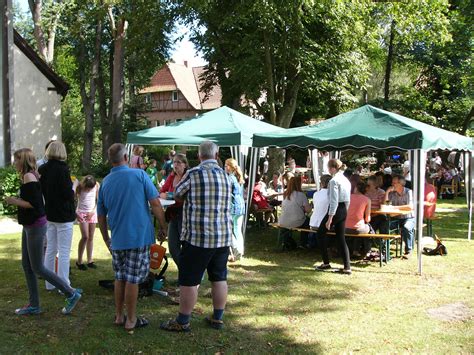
{"points": [[203, 225], [345, 204]]}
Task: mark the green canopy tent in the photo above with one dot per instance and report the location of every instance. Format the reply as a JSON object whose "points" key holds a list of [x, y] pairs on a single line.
{"points": [[224, 126], [370, 128]]}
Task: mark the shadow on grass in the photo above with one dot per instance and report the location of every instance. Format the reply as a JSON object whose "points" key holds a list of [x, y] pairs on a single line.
{"points": [[256, 291]]}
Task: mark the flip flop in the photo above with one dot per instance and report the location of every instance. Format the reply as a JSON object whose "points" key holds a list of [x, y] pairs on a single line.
{"points": [[140, 323], [121, 324]]}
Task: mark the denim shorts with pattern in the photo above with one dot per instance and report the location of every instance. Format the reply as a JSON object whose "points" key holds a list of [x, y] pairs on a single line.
{"points": [[131, 265]]}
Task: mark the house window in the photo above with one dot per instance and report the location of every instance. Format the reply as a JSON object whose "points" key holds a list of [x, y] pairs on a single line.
{"points": [[174, 95], [148, 99]]}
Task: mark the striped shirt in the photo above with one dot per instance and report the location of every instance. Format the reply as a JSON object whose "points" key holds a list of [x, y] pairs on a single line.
{"points": [[206, 191], [405, 198]]}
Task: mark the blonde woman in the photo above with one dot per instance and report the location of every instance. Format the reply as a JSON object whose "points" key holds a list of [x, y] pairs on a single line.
{"points": [[31, 214], [137, 159], [58, 194], [339, 199], [237, 210]]}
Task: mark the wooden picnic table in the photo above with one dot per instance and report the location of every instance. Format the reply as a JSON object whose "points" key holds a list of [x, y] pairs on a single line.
{"points": [[392, 212]]}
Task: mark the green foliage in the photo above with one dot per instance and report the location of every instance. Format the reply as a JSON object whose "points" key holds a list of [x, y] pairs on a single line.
{"points": [[99, 169], [9, 186], [72, 118], [441, 89], [268, 50]]}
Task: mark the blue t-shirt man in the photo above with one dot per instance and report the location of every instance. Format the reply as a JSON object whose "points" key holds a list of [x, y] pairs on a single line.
{"points": [[123, 198]]}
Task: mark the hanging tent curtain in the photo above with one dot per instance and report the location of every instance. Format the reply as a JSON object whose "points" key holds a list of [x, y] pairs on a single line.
{"points": [[468, 185], [254, 156], [418, 179], [371, 128]]}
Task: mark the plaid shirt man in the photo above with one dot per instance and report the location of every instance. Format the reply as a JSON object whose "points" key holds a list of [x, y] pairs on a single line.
{"points": [[405, 198], [206, 191]]}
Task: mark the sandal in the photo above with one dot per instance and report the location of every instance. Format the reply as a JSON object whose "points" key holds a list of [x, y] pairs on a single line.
{"points": [[121, 324], [82, 267], [173, 326], [214, 323], [140, 323], [92, 265]]}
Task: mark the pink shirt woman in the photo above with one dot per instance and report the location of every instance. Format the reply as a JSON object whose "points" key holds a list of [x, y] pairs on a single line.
{"points": [[358, 215]]}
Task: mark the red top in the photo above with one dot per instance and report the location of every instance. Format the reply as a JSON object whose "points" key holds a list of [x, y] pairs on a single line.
{"points": [[258, 198], [168, 187], [355, 214], [430, 196]]}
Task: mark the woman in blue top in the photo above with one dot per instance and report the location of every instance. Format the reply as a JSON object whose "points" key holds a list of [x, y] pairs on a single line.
{"points": [[237, 209]]}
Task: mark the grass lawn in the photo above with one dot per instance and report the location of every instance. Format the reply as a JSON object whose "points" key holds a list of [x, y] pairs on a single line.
{"points": [[277, 303]]}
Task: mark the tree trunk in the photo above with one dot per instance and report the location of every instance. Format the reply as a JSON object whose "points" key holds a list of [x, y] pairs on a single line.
{"points": [[117, 82], [388, 66], [103, 113], [467, 121], [276, 161], [36, 8], [88, 100], [285, 115], [270, 81], [52, 38], [132, 99]]}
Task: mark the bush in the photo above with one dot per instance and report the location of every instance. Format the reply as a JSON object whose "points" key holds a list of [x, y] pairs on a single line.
{"points": [[9, 186]]}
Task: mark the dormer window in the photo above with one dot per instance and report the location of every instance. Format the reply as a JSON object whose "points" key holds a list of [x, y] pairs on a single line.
{"points": [[174, 95]]}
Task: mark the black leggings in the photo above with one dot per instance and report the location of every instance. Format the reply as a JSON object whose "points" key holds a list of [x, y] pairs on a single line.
{"points": [[339, 223]]}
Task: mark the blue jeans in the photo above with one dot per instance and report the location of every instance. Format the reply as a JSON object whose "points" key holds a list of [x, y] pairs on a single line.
{"points": [[237, 237], [32, 262], [407, 231]]}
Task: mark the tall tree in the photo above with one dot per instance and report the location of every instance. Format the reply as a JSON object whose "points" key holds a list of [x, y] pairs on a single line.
{"points": [[267, 51], [442, 92], [143, 47], [46, 17], [405, 25]]}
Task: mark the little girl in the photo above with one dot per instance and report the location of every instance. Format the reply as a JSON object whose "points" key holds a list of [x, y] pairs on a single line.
{"points": [[86, 192]]}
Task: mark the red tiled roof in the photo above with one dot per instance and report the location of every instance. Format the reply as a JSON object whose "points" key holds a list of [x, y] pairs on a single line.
{"points": [[187, 80], [213, 99], [163, 77]]}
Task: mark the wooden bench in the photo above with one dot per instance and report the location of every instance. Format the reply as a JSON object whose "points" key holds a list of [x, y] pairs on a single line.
{"points": [[383, 238], [259, 215]]}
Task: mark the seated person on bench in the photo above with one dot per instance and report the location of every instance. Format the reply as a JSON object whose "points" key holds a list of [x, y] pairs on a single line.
{"points": [[294, 207], [431, 197], [377, 198], [358, 218], [260, 202], [399, 195]]}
